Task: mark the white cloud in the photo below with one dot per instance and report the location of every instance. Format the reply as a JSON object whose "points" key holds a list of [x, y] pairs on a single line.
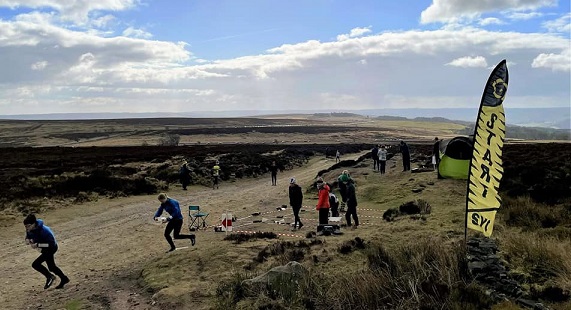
{"points": [[491, 21], [72, 10], [469, 62], [523, 15], [137, 33], [561, 24], [103, 21], [355, 32], [555, 62], [86, 72], [40, 65], [451, 10]]}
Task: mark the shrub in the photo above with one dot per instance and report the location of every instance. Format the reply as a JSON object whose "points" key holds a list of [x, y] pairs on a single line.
{"points": [[169, 140]]}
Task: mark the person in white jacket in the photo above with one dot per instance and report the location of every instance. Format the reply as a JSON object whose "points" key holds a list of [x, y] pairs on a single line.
{"points": [[382, 159]]}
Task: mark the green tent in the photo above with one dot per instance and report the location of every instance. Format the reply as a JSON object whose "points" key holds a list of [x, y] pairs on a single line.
{"points": [[455, 157]]}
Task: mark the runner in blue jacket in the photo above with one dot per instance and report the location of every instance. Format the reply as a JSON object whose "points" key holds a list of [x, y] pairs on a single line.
{"points": [[175, 220], [41, 236]]}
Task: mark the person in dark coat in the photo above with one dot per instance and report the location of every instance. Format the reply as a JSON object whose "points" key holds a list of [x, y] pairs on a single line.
{"points": [[343, 189], [295, 201], [40, 236], [274, 171], [375, 157], [185, 175], [405, 156], [351, 203]]}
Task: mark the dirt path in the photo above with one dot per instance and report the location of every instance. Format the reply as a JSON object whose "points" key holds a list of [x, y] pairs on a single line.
{"points": [[103, 245]]}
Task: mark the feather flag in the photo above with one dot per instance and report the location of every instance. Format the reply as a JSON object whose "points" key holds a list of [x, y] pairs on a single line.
{"points": [[482, 199]]}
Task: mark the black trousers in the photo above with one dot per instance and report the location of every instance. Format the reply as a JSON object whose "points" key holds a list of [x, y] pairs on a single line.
{"points": [[297, 220], [383, 164], [324, 216], [48, 257], [406, 163], [274, 179], [335, 210], [185, 182], [351, 211], [375, 163], [175, 225]]}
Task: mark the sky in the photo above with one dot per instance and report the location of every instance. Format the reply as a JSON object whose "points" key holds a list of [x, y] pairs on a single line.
{"points": [[81, 56]]}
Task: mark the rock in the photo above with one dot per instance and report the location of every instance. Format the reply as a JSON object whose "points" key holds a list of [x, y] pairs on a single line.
{"points": [[430, 183], [417, 190], [410, 207], [276, 275]]}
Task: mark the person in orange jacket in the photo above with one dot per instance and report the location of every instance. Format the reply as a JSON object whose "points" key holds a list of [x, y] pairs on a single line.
{"points": [[323, 202]]}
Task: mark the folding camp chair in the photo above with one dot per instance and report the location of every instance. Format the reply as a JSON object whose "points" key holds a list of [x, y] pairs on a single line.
{"points": [[197, 218]]}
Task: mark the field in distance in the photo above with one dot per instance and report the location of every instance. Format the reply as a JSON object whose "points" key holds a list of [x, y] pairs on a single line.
{"points": [[315, 128]]}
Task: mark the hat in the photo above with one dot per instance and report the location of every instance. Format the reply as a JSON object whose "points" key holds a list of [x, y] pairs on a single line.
{"points": [[30, 219], [344, 178], [292, 181], [319, 180]]}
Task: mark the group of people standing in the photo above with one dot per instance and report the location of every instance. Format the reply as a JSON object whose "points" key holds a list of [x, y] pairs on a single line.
{"points": [[328, 203], [379, 155]]}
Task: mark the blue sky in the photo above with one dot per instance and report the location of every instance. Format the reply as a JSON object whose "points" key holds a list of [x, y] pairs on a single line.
{"points": [[150, 55]]}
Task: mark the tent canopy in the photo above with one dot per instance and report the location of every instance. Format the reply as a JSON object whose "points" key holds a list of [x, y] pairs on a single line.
{"points": [[455, 155]]}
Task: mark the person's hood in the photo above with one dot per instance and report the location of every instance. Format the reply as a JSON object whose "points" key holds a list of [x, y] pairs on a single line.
{"points": [[39, 224]]}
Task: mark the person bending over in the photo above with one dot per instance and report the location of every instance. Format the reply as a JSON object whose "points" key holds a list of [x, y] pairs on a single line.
{"points": [[41, 236], [175, 220]]}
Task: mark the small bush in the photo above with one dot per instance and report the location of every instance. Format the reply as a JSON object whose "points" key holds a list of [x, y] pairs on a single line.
{"points": [[524, 212], [169, 140], [541, 258]]}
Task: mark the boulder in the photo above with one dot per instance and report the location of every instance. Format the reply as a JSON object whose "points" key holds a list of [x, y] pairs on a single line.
{"points": [[290, 271]]}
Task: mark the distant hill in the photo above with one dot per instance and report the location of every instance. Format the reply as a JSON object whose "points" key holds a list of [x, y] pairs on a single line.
{"points": [[515, 132], [559, 118]]}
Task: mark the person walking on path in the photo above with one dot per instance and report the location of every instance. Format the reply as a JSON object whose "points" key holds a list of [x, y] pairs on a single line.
{"points": [[185, 175], [274, 171], [295, 201], [351, 203], [405, 156], [40, 236], [337, 157], [375, 157], [175, 220], [323, 202], [216, 175], [436, 153], [382, 159]]}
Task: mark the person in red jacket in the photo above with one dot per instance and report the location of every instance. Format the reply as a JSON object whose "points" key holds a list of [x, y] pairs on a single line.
{"points": [[323, 202]]}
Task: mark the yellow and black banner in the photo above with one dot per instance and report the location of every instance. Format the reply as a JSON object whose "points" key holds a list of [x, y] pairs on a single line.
{"points": [[483, 200]]}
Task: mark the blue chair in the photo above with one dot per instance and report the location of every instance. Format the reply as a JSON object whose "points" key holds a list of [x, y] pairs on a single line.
{"points": [[197, 218]]}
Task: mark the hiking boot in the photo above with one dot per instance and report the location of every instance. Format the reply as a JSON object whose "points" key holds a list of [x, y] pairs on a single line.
{"points": [[192, 240], [172, 249], [49, 282], [63, 281], [300, 225]]}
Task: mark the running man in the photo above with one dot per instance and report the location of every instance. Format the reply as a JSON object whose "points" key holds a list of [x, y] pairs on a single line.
{"points": [[41, 236], [175, 220]]}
